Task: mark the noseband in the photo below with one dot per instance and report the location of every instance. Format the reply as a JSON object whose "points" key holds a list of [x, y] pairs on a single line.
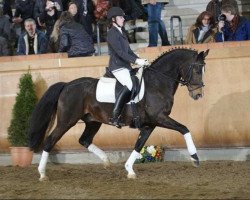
{"points": [[186, 79]]}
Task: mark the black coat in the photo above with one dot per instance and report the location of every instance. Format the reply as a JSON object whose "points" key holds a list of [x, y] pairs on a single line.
{"points": [[24, 9], [75, 40], [49, 20], [4, 47], [6, 5], [40, 5], [85, 20], [121, 54]]}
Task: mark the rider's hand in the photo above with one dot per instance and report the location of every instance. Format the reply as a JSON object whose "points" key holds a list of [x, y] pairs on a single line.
{"points": [[142, 62]]}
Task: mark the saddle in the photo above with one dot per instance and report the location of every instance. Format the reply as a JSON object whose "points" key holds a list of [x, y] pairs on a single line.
{"points": [[108, 89]]}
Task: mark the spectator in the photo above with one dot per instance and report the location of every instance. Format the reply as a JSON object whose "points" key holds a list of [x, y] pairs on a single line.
{"points": [[32, 41], [4, 47], [214, 7], [54, 42], [6, 5], [39, 8], [72, 8], [85, 14], [53, 45], [203, 31], [234, 28], [73, 38], [49, 16], [6, 30], [155, 24], [24, 10], [5, 26]]}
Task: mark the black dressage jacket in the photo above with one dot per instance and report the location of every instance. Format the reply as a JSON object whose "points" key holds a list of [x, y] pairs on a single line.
{"points": [[120, 52]]}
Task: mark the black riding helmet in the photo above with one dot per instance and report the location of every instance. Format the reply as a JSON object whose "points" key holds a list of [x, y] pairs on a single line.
{"points": [[115, 11]]}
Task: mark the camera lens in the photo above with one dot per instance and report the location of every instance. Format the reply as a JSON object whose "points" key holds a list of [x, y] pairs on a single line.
{"points": [[222, 17]]}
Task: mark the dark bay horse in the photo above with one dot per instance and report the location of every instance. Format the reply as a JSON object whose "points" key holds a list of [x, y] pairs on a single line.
{"points": [[76, 100]]}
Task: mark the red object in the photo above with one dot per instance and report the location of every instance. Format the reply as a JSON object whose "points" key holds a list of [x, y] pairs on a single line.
{"points": [[101, 9]]}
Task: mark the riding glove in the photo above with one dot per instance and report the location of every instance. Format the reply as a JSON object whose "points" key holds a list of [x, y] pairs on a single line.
{"points": [[142, 62]]}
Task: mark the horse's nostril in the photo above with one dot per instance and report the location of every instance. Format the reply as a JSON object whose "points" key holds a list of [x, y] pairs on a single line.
{"points": [[199, 96]]}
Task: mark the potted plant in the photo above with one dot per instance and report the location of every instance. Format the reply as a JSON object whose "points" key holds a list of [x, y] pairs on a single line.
{"points": [[18, 129]]}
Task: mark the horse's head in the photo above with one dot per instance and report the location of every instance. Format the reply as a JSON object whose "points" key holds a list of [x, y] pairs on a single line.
{"points": [[192, 75]]}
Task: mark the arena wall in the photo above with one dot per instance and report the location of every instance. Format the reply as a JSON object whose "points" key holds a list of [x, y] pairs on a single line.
{"points": [[219, 119]]}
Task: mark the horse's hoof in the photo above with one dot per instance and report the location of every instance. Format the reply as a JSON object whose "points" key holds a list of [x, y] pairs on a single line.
{"points": [[43, 179], [107, 164], [195, 160], [131, 176], [195, 163]]}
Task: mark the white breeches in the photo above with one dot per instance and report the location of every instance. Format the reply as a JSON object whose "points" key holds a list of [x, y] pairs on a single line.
{"points": [[123, 76]]}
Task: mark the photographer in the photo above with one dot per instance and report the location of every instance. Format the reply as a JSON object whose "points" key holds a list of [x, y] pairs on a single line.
{"points": [[40, 7], [231, 26], [214, 7], [49, 16]]}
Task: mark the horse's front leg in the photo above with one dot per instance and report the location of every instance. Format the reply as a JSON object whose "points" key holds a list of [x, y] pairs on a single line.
{"points": [[143, 136], [174, 125]]}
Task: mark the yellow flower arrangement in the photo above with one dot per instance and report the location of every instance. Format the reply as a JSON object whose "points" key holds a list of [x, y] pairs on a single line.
{"points": [[151, 154]]}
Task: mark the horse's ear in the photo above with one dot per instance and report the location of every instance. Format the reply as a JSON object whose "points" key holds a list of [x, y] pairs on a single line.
{"points": [[206, 53], [202, 54]]}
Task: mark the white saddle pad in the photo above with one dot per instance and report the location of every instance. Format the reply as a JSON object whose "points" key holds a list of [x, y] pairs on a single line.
{"points": [[105, 91]]}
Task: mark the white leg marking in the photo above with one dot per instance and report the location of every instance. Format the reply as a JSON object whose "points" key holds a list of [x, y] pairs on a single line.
{"points": [[100, 153], [130, 162], [190, 144], [42, 165]]}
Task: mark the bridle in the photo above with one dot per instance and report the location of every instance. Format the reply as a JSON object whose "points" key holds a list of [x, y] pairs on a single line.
{"points": [[186, 79]]}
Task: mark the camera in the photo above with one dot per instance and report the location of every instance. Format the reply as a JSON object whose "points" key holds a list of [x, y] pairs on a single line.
{"points": [[222, 17]]}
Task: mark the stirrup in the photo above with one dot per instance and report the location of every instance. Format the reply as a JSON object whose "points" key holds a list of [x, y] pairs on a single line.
{"points": [[115, 122]]}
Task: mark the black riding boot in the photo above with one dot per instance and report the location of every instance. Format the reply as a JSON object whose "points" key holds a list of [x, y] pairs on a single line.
{"points": [[123, 97]]}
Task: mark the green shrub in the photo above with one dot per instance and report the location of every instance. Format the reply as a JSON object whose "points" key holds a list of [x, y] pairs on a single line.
{"points": [[23, 107]]}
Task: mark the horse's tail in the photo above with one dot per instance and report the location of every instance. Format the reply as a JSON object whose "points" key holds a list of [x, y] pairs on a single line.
{"points": [[43, 114]]}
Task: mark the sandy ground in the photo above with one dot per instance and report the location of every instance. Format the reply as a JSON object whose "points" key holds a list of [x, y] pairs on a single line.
{"points": [[168, 180]]}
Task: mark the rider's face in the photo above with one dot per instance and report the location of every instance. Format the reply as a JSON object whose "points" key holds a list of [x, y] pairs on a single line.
{"points": [[120, 20]]}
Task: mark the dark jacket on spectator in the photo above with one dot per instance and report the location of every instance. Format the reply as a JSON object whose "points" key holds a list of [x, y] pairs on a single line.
{"points": [[4, 47], [40, 44], [6, 5], [24, 9], [241, 33], [49, 20], [39, 7], [88, 19], [5, 27], [75, 40]]}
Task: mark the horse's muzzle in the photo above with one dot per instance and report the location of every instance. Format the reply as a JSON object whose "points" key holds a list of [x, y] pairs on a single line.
{"points": [[197, 96]]}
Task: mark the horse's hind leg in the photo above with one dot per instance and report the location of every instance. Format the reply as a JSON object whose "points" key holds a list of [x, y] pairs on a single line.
{"points": [[86, 140], [49, 143], [174, 125]]}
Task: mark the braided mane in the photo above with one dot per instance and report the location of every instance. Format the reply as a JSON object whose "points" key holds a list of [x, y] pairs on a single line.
{"points": [[172, 50]]}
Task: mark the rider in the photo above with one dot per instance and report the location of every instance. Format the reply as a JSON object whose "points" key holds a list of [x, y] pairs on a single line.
{"points": [[121, 56]]}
